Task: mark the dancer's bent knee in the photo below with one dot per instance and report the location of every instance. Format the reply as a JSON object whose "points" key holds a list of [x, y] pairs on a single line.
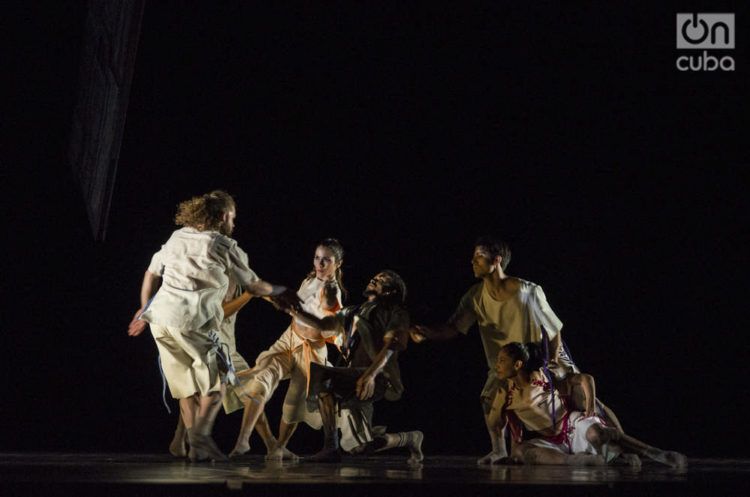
{"points": [[254, 392]]}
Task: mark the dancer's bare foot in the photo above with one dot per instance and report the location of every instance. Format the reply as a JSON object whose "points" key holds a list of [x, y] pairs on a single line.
{"points": [[203, 448], [178, 446], [240, 449], [414, 441], [492, 458], [281, 454], [669, 457], [674, 459]]}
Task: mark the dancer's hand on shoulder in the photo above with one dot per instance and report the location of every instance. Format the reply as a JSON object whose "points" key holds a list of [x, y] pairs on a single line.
{"points": [[330, 289], [330, 295]]}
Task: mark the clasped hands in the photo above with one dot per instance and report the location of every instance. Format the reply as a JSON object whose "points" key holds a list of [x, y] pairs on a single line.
{"points": [[287, 301]]}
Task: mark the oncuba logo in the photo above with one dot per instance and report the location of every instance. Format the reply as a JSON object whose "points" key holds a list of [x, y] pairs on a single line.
{"points": [[707, 32]]}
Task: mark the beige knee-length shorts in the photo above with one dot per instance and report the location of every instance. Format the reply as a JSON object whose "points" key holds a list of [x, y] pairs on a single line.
{"points": [[189, 360]]}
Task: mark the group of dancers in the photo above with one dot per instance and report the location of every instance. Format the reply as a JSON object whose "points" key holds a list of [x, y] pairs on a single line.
{"points": [[199, 280]]}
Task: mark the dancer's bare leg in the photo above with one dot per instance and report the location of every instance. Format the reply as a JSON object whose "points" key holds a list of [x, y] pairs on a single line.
{"points": [[286, 430], [610, 416], [263, 429], [208, 407], [603, 434], [178, 446], [330, 451], [253, 410], [412, 440], [668, 457], [280, 452], [497, 435], [202, 445], [583, 395], [542, 455], [188, 410]]}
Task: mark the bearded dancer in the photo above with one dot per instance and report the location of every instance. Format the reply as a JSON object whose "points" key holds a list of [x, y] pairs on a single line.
{"points": [[371, 336], [195, 266]]}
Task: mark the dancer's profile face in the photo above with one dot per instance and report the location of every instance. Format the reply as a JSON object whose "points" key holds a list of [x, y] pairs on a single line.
{"points": [[227, 226], [378, 285], [325, 263], [481, 262], [505, 367]]}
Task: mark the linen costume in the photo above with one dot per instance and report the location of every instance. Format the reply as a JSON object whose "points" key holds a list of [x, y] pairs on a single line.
{"points": [[536, 406], [362, 334], [289, 358], [519, 318], [365, 329], [186, 314]]}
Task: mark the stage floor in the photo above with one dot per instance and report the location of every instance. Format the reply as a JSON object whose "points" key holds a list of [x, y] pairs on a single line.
{"points": [[146, 474]]}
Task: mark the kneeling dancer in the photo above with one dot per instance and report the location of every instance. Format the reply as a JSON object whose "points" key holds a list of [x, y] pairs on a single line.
{"points": [[371, 335]]}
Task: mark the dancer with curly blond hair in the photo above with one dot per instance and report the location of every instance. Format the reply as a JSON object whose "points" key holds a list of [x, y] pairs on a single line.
{"points": [[185, 313]]}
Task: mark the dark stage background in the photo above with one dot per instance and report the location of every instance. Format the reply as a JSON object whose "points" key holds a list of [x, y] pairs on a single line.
{"points": [[405, 131]]}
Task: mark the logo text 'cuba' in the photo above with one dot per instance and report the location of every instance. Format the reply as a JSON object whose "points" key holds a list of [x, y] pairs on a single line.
{"points": [[705, 32]]}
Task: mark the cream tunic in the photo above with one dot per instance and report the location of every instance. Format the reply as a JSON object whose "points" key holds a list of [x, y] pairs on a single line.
{"points": [[186, 313], [195, 267]]}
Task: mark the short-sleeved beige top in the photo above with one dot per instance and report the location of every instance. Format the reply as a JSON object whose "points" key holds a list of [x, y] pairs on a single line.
{"points": [[516, 319], [196, 267]]}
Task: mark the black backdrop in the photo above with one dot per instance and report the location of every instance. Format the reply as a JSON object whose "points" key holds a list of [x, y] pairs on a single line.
{"points": [[404, 131]]}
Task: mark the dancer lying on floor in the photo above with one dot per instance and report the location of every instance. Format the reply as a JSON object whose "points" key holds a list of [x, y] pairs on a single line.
{"points": [[561, 435]]}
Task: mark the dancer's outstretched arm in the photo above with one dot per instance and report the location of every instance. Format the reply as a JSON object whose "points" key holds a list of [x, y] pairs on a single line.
{"points": [[328, 323], [438, 332], [234, 305]]}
